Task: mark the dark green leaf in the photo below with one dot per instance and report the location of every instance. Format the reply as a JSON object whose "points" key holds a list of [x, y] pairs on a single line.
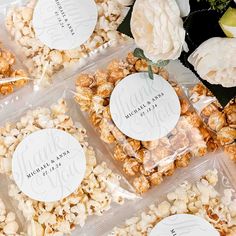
{"points": [[124, 27], [150, 72], [138, 52]]}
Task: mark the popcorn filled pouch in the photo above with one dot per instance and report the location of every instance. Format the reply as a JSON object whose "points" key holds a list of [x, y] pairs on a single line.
{"points": [[221, 121], [58, 175], [13, 75], [198, 200], [147, 123], [70, 31]]}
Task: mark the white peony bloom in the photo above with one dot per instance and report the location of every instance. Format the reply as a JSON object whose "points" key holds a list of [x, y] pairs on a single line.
{"points": [[158, 28], [184, 7], [215, 61], [126, 2]]}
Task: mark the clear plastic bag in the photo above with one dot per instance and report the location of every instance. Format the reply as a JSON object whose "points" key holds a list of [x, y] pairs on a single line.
{"points": [[103, 187], [144, 163], [12, 73], [11, 221], [221, 121], [43, 61], [206, 189]]}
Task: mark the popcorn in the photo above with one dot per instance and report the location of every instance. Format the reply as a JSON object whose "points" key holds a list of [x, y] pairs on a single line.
{"points": [[221, 121], [14, 78], [199, 198], [226, 135], [98, 190], [216, 121], [148, 162], [8, 224], [42, 61]]}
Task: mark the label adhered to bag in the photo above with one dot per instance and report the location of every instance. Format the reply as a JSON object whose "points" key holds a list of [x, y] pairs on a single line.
{"points": [[183, 224], [144, 109], [48, 165], [64, 24]]}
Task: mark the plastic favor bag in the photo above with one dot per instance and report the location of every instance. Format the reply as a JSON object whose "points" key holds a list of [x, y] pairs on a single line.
{"points": [[143, 108], [11, 77], [59, 176], [69, 31], [222, 122], [10, 223], [198, 200]]}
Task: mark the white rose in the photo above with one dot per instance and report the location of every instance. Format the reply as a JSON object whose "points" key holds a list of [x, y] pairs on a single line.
{"points": [[158, 28], [215, 61], [126, 2]]}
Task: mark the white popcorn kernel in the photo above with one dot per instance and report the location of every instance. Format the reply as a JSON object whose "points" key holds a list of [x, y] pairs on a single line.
{"points": [[212, 177], [172, 196], [10, 217], [164, 209], [11, 228], [3, 150], [47, 218]]}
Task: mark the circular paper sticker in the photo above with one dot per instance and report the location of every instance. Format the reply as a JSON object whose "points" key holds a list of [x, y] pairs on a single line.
{"points": [[64, 24], [144, 109], [183, 224], [48, 165]]}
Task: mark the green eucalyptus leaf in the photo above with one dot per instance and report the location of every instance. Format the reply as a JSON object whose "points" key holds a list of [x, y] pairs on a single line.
{"points": [[138, 52], [150, 72], [162, 63]]}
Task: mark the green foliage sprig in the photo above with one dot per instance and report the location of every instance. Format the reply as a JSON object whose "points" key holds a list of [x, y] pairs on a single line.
{"points": [[218, 5], [140, 54]]}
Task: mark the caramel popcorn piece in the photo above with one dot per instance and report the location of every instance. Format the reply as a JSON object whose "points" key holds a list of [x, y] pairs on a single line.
{"points": [[14, 78], [119, 154], [84, 80], [226, 135], [141, 184], [231, 150], [155, 178], [131, 166], [216, 121]]}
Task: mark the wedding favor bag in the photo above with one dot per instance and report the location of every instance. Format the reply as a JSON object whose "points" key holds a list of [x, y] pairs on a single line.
{"points": [[59, 176], [200, 200], [54, 35], [221, 121], [148, 124]]}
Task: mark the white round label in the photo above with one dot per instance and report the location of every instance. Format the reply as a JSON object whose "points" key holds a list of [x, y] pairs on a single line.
{"points": [[48, 165], [64, 24], [144, 109], [183, 224]]}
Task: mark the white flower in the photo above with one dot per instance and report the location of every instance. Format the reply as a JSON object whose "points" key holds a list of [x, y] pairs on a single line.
{"points": [[184, 7], [215, 61], [158, 28], [126, 2]]}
